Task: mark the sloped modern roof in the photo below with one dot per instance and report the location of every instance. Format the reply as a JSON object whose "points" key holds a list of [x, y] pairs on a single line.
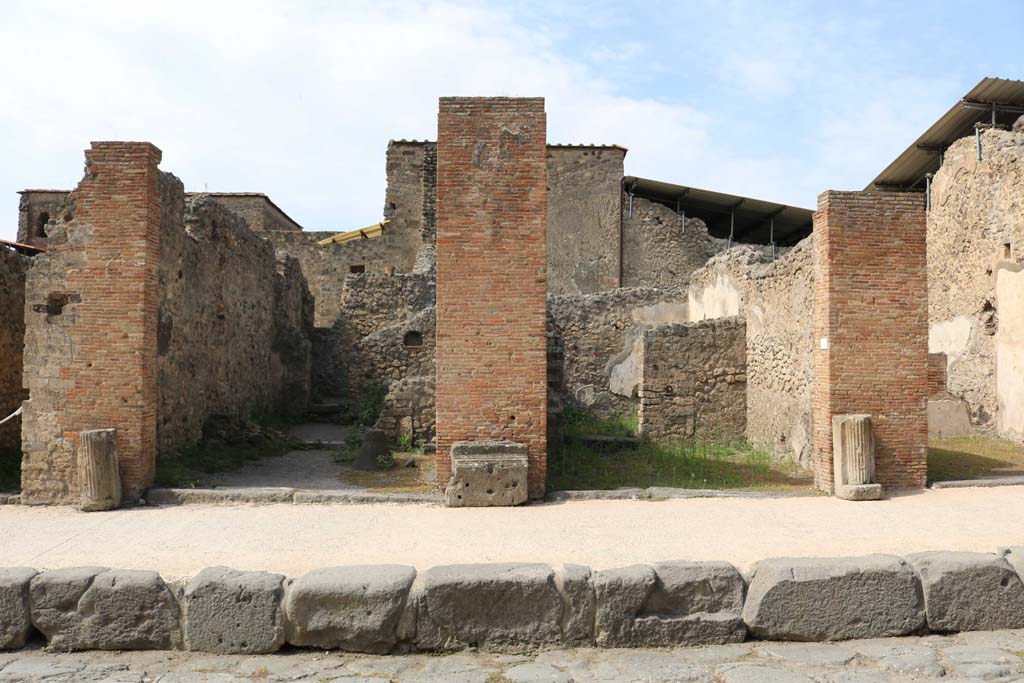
{"points": [[997, 100], [751, 220]]}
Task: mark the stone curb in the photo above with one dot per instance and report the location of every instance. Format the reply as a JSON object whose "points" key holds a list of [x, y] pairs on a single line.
{"points": [[272, 495], [380, 609], [978, 483], [663, 492]]}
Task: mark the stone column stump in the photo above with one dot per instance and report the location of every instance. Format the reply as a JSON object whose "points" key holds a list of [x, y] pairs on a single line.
{"points": [[487, 474], [853, 458], [99, 483]]}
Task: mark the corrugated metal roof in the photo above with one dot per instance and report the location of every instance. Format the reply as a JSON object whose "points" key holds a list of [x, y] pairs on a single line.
{"points": [[370, 231], [910, 167], [750, 218]]}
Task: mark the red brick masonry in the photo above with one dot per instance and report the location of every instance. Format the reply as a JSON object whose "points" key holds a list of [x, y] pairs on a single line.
{"points": [[871, 304], [491, 277]]}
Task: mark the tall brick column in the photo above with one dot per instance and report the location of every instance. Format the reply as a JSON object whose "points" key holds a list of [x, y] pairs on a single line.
{"points": [[871, 307], [491, 277], [91, 326]]}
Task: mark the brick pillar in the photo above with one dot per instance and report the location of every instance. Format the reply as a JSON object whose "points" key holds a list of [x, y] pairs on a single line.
{"points": [[92, 364], [491, 277], [871, 305]]}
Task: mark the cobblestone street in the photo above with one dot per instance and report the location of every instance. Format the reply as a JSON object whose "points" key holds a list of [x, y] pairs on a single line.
{"points": [[979, 656]]}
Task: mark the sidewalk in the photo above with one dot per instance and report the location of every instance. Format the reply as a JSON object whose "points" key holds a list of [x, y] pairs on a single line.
{"points": [[178, 541]]}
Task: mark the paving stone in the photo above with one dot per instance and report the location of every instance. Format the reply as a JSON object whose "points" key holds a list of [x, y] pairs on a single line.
{"points": [[493, 606], [38, 667], [969, 591], [987, 663], [229, 611], [817, 599], [91, 609], [15, 618], [749, 673], [349, 608], [536, 673], [857, 677], [816, 654], [903, 658]]}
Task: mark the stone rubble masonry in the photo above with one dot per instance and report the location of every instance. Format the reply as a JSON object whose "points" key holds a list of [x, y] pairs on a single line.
{"points": [[514, 607], [261, 214], [776, 299], [36, 208], [13, 267], [584, 217], [409, 410], [491, 310], [974, 220], [693, 381], [871, 308], [91, 326], [937, 370]]}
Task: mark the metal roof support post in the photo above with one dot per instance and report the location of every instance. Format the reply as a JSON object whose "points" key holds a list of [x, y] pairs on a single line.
{"points": [[771, 236], [977, 140], [927, 191], [732, 225], [630, 214]]}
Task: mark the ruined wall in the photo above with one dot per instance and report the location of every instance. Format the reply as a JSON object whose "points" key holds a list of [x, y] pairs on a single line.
{"points": [[584, 211], [409, 410], [1010, 350], [659, 252], [91, 326], [871, 308], [491, 309], [259, 212], [693, 381], [595, 336], [13, 267], [36, 208], [291, 352], [976, 217], [216, 317], [776, 299]]}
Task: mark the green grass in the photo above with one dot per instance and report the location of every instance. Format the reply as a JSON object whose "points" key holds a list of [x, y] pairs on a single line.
{"points": [[10, 470], [673, 463], [192, 465], [579, 422], [974, 457]]}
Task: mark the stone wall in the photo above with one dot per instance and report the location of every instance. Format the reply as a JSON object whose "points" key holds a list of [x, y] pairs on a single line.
{"points": [[975, 224], [871, 323], [36, 208], [291, 352], [693, 381], [259, 212], [409, 410], [13, 267], [491, 309], [584, 214], [776, 299], [594, 337], [657, 251], [91, 326], [937, 365]]}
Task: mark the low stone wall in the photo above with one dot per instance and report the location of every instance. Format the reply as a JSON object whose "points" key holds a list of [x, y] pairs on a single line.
{"points": [[514, 607], [13, 267]]}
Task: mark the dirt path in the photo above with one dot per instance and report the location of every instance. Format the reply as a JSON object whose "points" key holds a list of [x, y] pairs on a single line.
{"points": [[291, 539]]}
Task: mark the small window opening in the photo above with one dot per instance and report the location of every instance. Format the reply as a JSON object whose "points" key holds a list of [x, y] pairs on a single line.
{"points": [[55, 303], [1007, 250], [412, 340], [41, 222], [355, 270]]}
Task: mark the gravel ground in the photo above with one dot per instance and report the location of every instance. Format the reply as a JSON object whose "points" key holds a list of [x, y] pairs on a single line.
{"points": [[178, 541], [981, 656]]}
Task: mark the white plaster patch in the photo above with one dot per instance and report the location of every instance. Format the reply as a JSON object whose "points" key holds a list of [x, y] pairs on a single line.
{"points": [[720, 300], [1010, 351], [661, 313], [950, 337]]}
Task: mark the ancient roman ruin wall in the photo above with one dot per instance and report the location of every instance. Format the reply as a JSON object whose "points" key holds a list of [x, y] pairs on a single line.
{"points": [[36, 208], [693, 381], [409, 410], [595, 338], [975, 226], [659, 252], [584, 214], [222, 329], [13, 267], [491, 321], [259, 212], [291, 351], [776, 300]]}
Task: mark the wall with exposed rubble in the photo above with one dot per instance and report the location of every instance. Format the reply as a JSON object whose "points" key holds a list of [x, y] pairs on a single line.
{"points": [[776, 301], [409, 410], [259, 212], [36, 208], [693, 381], [975, 229], [13, 267]]}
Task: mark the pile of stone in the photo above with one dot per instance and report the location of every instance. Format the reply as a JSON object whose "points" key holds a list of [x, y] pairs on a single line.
{"points": [[514, 607]]}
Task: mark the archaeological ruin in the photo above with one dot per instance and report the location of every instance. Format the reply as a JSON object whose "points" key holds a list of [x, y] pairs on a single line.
{"points": [[511, 280]]}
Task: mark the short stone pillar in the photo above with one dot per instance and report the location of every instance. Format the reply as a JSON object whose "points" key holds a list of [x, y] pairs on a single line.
{"points": [[487, 474], [853, 458], [99, 484], [375, 446]]}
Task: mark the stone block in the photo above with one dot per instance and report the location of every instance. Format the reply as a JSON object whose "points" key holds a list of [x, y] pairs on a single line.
{"points": [[969, 591], [492, 606], [853, 458], [91, 608], [15, 618], [234, 612], [671, 603], [573, 582], [487, 473], [348, 608], [812, 599]]}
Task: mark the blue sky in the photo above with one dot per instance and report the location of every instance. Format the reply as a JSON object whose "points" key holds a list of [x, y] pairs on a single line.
{"points": [[777, 100]]}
